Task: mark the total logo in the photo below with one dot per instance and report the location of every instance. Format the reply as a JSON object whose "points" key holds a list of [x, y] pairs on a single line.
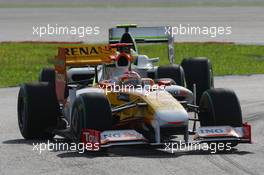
{"points": [[91, 139]]}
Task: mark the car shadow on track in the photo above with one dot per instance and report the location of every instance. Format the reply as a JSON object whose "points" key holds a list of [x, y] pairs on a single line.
{"points": [[142, 151], [22, 141]]}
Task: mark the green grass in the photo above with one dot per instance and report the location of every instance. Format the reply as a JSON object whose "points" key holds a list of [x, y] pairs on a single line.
{"points": [[22, 62], [227, 59]]}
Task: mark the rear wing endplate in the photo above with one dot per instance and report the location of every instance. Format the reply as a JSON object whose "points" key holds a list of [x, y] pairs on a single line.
{"points": [[78, 56]]}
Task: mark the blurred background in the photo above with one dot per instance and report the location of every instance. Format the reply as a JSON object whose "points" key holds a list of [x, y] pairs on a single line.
{"points": [[17, 17]]}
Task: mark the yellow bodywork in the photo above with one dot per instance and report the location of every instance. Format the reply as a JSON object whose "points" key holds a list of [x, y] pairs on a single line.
{"points": [[156, 100], [88, 54]]}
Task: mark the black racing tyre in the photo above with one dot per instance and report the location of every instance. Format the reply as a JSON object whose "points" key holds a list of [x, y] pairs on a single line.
{"points": [[38, 110], [198, 71], [90, 111], [47, 75], [174, 72], [220, 107]]}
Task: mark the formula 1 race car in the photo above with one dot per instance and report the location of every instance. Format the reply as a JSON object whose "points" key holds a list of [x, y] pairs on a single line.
{"points": [[117, 106], [183, 75]]}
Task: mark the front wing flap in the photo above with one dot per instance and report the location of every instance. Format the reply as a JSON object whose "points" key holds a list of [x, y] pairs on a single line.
{"points": [[113, 137], [224, 133]]}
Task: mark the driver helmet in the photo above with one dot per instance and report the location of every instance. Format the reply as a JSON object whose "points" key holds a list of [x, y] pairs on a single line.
{"points": [[130, 78]]}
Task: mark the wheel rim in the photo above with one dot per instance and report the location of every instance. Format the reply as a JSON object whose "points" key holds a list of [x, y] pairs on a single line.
{"points": [[76, 124], [21, 112]]}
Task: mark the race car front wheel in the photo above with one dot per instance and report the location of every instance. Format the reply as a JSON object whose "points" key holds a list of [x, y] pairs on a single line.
{"points": [[220, 107], [90, 111], [37, 109]]}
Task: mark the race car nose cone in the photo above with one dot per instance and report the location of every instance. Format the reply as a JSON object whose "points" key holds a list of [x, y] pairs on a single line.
{"points": [[172, 117]]}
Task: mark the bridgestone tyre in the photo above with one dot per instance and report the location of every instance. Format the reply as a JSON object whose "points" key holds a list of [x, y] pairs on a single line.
{"points": [[90, 111], [220, 107], [174, 72], [47, 75], [198, 71], [38, 110]]}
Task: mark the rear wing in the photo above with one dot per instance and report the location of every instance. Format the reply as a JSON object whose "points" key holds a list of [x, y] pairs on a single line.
{"points": [[144, 35], [84, 55], [140, 34], [78, 56]]}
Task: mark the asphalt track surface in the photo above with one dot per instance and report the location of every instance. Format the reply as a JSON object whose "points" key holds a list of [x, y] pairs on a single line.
{"points": [[16, 24], [120, 1], [17, 155]]}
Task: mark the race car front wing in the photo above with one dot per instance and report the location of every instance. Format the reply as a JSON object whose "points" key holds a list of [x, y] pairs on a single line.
{"points": [[131, 137]]}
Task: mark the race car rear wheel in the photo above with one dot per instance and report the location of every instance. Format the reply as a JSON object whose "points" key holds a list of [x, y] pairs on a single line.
{"points": [[90, 111], [220, 107], [38, 110], [47, 75], [198, 71], [174, 72]]}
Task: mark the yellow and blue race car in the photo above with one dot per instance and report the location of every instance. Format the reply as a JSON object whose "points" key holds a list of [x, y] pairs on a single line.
{"points": [[102, 95]]}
